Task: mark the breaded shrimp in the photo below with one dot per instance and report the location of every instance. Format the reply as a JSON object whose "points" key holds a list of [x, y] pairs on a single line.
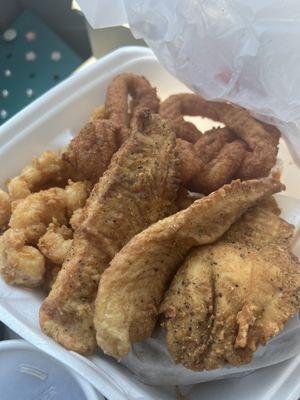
{"points": [[20, 264], [56, 243], [33, 214], [47, 170], [5, 208]]}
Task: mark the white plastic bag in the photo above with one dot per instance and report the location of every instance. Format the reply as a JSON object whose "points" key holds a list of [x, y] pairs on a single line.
{"points": [[152, 364], [242, 51]]}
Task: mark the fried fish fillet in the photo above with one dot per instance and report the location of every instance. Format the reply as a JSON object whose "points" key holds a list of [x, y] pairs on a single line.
{"points": [[132, 288], [229, 297], [139, 188]]}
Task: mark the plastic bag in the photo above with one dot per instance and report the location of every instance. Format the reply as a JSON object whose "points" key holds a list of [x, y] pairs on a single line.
{"points": [[244, 52], [152, 364]]}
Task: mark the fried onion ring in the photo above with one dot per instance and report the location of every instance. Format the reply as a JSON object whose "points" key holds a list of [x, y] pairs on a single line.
{"points": [[190, 164], [211, 142], [261, 139], [221, 169], [174, 109], [116, 103]]}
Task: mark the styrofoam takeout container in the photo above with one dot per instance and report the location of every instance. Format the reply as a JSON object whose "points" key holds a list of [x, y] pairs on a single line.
{"points": [[28, 373], [49, 123]]}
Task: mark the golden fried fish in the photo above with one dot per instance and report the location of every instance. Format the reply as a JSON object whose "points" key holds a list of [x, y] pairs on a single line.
{"points": [[229, 297], [132, 288], [139, 188]]}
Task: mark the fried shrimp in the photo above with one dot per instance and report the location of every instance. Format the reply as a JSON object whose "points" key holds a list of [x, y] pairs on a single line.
{"points": [[47, 170], [5, 208], [56, 243], [33, 214], [29, 222], [76, 194], [20, 264]]}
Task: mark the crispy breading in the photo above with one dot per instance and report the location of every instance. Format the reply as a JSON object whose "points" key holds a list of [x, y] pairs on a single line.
{"points": [[51, 273], [20, 264], [5, 208], [229, 297], [132, 288], [98, 113], [34, 213], [261, 139], [221, 169], [139, 188], [125, 85], [190, 164], [211, 142], [45, 171], [56, 243], [29, 221], [91, 150], [174, 109]]}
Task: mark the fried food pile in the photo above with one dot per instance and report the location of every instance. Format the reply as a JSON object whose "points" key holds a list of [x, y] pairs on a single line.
{"points": [[138, 189], [144, 219]]}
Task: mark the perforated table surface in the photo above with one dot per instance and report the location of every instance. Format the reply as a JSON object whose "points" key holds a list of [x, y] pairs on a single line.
{"points": [[33, 58]]}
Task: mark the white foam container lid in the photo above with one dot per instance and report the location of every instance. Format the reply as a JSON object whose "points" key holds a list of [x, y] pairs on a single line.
{"points": [[28, 373], [49, 123]]}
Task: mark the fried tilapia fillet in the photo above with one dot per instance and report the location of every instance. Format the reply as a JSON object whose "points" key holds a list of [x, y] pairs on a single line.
{"points": [[139, 188], [229, 297], [131, 289]]}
